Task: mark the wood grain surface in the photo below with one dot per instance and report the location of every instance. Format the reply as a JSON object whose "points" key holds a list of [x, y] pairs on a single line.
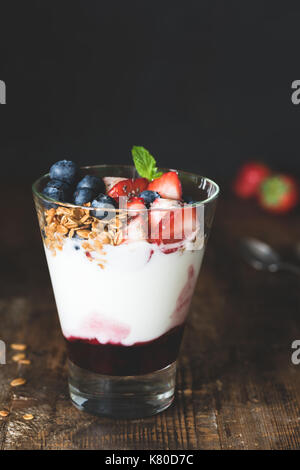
{"points": [[236, 385]]}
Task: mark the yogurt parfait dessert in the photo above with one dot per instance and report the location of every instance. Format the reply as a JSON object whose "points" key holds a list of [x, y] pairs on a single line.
{"points": [[124, 246]]}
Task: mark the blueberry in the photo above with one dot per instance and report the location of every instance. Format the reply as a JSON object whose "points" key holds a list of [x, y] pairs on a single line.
{"points": [[91, 182], [64, 170], [83, 195], [149, 196], [59, 185], [103, 202], [77, 247], [57, 190]]}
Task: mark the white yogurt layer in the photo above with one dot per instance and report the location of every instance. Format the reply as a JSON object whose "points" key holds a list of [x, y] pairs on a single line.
{"points": [[139, 295]]}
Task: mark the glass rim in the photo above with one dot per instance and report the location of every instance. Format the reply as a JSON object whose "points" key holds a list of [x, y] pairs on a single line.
{"points": [[87, 167]]}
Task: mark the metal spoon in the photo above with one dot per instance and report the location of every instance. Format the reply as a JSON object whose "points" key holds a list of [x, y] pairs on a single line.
{"points": [[262, 257]]}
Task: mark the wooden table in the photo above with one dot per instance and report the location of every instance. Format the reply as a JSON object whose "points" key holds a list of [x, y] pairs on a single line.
{"points": [[236, 386]]}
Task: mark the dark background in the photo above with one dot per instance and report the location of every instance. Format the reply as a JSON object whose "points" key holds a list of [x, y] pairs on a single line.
{"points": [[204, 85]]}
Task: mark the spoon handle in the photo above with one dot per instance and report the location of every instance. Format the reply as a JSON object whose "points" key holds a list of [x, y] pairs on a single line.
{"points": [[290, 267]]}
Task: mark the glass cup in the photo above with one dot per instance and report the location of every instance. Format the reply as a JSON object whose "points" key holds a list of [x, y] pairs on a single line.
{"points": [[123, 280]]}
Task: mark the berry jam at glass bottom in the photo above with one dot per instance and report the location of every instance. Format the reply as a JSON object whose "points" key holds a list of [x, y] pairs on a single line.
{"points": [[116, 359]]}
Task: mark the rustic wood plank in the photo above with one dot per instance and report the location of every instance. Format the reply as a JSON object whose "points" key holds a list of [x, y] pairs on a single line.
{"points": [[236, 386]]}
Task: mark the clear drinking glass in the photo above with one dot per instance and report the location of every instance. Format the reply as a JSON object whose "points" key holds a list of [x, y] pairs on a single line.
{"points": [[123, 281]]}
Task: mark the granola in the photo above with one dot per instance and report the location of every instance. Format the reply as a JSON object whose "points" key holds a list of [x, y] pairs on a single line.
{"points": [[60, 223]]}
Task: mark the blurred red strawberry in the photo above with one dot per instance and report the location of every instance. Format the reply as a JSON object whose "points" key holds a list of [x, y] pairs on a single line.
{"points": [[248, 179], [278, 193]]}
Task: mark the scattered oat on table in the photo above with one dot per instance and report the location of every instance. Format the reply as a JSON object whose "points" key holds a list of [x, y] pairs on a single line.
{"points": [[17, 382], [18, 357], [28, 417], [18, 347], [4, 413], [24, 361]]}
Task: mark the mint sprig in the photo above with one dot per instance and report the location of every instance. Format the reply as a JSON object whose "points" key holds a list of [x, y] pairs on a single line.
{"points": [[145, 163]]}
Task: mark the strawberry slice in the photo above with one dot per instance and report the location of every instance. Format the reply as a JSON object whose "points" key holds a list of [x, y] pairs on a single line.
{"points": [[123, 188], [160, 209], [111, 181], [168, 186], [136, 229], [128, 187], [184, 224], [173, 226], [135, 203], [157, 212], [138, 186]]}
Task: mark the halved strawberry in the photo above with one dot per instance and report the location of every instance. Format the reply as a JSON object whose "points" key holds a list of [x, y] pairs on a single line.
{"points": [[168, 186], [173, 225], [159, 209], [123, 188], [128, 187], [135, 230], [184, 225], [111, 181], [135, 203], [138, 186]]}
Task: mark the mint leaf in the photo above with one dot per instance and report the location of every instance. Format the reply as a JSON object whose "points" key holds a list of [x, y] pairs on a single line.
{"points": [[157, 174], [145, 163]]}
